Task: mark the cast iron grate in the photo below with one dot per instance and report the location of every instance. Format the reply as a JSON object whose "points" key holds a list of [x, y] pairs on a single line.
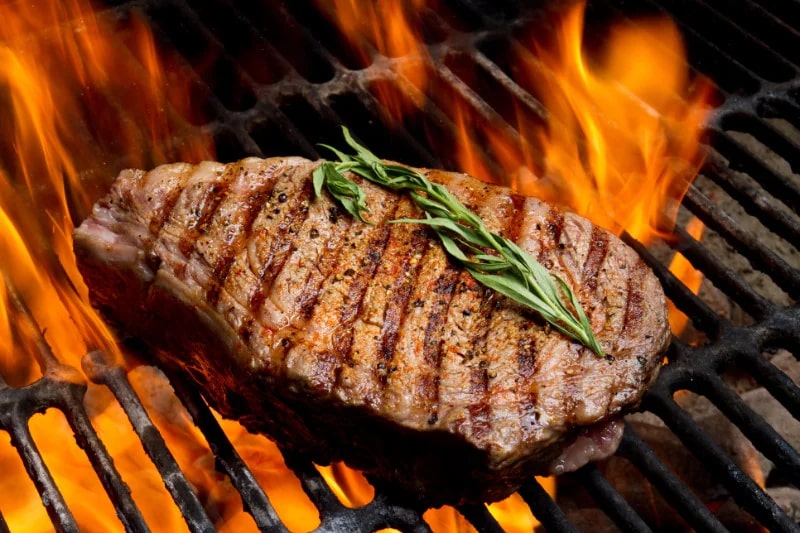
{"points": [[276, 101]]}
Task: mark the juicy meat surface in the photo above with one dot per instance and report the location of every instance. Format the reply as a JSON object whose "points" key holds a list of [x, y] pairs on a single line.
{"points": [[363, 343]]}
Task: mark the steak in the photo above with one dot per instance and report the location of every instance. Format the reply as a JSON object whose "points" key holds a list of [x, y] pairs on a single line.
{"points": [[362, 342]]}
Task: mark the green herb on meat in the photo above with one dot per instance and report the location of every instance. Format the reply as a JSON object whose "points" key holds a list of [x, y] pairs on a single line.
{"points": [[509, 270]]}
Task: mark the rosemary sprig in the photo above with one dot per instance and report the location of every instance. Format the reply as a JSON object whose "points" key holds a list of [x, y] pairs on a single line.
{"points": [[510, 270]]}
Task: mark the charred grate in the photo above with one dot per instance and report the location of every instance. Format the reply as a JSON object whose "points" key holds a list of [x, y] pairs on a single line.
{"points": [[271, 103]]}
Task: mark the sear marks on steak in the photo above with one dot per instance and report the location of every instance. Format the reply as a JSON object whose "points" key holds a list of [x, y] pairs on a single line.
{"points": [[363, 343]]}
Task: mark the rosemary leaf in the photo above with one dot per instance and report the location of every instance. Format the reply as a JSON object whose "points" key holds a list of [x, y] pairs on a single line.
{"points": [[509, 270], [349, 194]]}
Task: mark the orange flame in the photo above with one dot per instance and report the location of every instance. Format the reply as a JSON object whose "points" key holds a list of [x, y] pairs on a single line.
{"points": [[640, 121], [691, 277], [366, 22], [620, 144]]}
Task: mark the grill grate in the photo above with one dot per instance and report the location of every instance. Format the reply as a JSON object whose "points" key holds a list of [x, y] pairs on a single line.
{"points": [[262, 98]]}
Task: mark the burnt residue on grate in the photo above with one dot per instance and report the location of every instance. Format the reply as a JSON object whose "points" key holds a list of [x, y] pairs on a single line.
{"points": [[278, 78]]}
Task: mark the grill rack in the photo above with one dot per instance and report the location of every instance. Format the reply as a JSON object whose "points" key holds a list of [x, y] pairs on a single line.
{"points": [[287, 111]]}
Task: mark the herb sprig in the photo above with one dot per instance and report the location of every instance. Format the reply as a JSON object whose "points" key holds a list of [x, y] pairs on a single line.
{"points": [[509, 270]]}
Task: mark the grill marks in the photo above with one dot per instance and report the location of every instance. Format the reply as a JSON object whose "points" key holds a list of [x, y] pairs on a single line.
{"points": [[526, 354], [411, 386], [195, 208], [245, 196], [328, 335], [161, 215], [428, 386], [634, 307], [527, 367], [281, 245], [598, 247], [351, 307], [497, 378], [550, 237], [518, 213], [464, 360], [162, 197], [364, 376], [398, 301], [479, 410], [348, 273], [185, 207]]}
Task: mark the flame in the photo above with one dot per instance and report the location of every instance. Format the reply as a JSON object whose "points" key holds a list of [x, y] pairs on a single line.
{"points": [[365, 24], [640, 120], [620, 144], [691, 277], [512, 513]]}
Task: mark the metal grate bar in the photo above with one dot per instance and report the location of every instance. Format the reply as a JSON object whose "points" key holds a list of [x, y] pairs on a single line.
{"points": [[784, 10], [741, 159], [674, 491], [279, 21], [760, 433], [521, 96], [764, 56], [101, 461], [741, 487], [777, 32], [544, 508], [413, 145], [14, 420], [380, 513], [313, 484], [254, 498], [474, 101], [758, 255], [752, 198], [480, 517], [728, 72], [723, 277], [766, 134], [774, 380], [783, 327], [773, 107], [68, 395], [758, 58], [115, 378], [63, 388], [611, 501]]}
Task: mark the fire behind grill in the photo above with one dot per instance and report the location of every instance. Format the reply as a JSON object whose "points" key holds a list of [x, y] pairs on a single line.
{"points": [[274, 104]]}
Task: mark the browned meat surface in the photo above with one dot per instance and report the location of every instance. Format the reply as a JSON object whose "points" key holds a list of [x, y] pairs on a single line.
{"points": [[362, 343]]}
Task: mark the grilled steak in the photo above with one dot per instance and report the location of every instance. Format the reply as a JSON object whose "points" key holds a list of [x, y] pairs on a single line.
{"points": [[363, 343]]}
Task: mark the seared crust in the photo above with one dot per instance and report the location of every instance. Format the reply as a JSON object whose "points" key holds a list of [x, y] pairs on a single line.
{"points": [[363, 342]]}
